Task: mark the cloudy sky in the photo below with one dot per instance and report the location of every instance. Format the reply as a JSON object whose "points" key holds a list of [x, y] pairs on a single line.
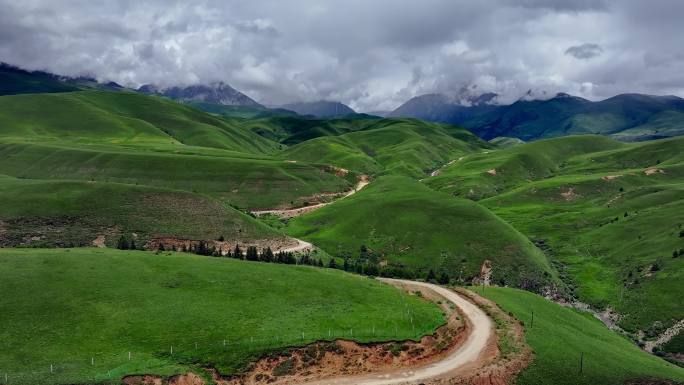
{"points": [[371, 54]]}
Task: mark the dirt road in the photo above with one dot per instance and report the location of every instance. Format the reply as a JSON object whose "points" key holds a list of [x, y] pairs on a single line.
{"points": [[301, 247], [291, 213], [470, 351]]}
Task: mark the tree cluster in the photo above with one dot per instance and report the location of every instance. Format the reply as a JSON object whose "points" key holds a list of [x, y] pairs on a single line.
{"points": [[125, 244]]}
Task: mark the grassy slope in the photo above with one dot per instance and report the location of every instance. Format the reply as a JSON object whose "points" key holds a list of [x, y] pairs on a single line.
{"points": [[392, 146], [608, 256], [252, 182], [64, 306], [40, 212], [559, 335], [514, 166], [412, 225], [291, 130], [117, 117], [138, 139]]}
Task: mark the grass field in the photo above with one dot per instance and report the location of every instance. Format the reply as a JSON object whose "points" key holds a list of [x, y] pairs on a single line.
{"points": [[121, 118], [402, 221], [560, 336], [73, 213], [610, 225], [64, 307]]}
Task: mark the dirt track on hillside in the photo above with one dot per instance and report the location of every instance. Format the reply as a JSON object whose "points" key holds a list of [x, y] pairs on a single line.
{"points": [[291, 213], [473, 349]]}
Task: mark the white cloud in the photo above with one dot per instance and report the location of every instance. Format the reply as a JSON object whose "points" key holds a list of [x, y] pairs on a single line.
{"points": [[371, 55]]}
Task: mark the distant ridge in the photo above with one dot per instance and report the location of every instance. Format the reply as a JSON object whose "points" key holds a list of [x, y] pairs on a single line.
{"points": [[320, 109], [217, 93], [627, 117]]}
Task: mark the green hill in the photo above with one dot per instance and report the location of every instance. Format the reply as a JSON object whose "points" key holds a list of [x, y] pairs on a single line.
{"points": [[606, 213], [505, 142], [411, 229], [291, 130], [390, 146], [489, 173], [242, 181], [120, 118], [561, 336], [64, 307], [75, 213]]}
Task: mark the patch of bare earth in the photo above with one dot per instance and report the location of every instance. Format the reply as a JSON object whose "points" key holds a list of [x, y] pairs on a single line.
{"points": [[570, 195], [608, 178], [183, 379], [99, 241], [181, 244], [653, 170]]}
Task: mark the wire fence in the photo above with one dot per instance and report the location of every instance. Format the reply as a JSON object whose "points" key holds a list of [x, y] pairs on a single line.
{"points": [[109, 368]]}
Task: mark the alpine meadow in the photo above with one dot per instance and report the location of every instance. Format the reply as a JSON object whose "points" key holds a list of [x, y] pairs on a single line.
{"points": [[327, 192]]}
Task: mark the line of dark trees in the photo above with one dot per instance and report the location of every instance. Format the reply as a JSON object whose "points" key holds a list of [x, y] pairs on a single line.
{"points": [[366, 263]]}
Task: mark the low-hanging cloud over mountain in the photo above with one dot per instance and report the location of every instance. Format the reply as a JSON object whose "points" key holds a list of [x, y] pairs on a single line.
{"points": [[372, 55]]}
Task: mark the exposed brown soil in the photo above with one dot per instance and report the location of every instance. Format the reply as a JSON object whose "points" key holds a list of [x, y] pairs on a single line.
{"points": [[610, 177], [653, 170], [570, 195], [99, 241], [485, 274], [180, 244], [339, 171], [183, 379]]}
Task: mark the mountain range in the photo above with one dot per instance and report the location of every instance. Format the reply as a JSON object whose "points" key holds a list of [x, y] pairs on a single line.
{"points": [[217, 93], [628, 117], [320, 109]]}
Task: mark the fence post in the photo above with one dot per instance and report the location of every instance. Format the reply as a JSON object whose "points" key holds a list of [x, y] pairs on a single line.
{"points": [[92, 360], [50, 368], [171, 349], [195, 345], [581, 362], [532, 322], [129, 356]]}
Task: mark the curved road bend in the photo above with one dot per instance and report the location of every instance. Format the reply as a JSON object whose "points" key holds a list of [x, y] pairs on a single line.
{"points": [[469, 351]]}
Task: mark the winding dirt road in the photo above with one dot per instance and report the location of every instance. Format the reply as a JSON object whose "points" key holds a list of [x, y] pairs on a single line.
{"points": [[300, 247], [470, 351]]}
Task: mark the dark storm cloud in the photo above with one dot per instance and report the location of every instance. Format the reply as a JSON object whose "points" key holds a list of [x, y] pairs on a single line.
{"points": [[370, 54], [584, 51]]}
